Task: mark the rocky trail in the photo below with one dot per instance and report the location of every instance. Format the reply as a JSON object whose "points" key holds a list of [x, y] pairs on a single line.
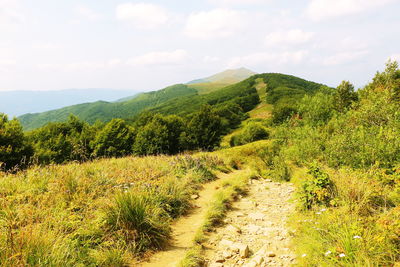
{"points": [[255, 232], [185, 228]]}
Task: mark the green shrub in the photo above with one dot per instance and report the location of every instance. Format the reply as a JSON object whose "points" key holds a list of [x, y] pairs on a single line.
{"points": [[319, 190], [253, 131]]}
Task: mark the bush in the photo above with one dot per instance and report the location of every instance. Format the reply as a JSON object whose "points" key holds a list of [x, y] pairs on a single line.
{"points": [[319, 190], [14, 149], [252, 132]]}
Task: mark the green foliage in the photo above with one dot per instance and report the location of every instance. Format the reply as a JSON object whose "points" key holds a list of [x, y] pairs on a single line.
{"points": [[316, 109], [161, 135], [282, 113], [14, 149], [204, 130], [62, 142], [253, 131], [345, 96], [319, 190], [114, 140]]}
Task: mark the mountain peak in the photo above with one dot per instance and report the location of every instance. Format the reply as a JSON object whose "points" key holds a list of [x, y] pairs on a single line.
{"points": [[229, 76]]}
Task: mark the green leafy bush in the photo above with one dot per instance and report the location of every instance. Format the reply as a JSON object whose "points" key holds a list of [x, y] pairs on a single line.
{"points": [[320, 190]]}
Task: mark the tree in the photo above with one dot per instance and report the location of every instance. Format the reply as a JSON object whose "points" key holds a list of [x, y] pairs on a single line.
{"points": [[344, 96], [14, 148], [317, 109], [114, 140], [204, 130], [161, 135]]}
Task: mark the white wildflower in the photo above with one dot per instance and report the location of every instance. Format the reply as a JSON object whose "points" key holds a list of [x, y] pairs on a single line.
{"points": [[357, 237], [304, 255], [328, 253], [322, 210], [342, 255]]}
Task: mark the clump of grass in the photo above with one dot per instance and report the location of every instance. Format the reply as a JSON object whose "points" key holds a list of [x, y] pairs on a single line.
{"points": [[139, 220], [110, 257], [193, 257]]}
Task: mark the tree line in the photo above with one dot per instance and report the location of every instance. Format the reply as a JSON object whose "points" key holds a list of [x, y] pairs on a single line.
{"points": [[147, 134]]}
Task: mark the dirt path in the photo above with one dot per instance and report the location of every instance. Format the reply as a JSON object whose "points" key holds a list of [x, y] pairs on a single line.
{"points": [[255, 232], [184, 229]]}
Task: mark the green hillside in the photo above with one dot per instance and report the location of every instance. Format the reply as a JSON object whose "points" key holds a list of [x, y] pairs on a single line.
{"points": [[178, 99], [105, 111]]}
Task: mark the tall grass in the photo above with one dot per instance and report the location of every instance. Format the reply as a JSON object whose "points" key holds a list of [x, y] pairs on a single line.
{"points": [[100, 213]]}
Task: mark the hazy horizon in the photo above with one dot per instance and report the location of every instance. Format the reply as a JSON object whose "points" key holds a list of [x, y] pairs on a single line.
{"points": [[147, 45]]}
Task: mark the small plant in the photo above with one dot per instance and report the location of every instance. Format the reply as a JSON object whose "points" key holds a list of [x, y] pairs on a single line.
{"points": [[319, 190]]}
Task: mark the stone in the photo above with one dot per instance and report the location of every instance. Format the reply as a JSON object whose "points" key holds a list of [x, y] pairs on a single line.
{"points": [[233, 229], [227, 254], [244, 250], [194, 196], [220, 259], [257, 216], [240, 214], [271, 254], [226, 243], [253, 229]]}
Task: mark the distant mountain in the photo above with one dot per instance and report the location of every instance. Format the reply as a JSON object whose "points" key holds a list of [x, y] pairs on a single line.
{"points": [[16, 103], [105, 111], [226, 77]]}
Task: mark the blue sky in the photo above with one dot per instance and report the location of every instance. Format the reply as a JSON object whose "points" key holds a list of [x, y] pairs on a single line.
{"points": [[146, 45]]}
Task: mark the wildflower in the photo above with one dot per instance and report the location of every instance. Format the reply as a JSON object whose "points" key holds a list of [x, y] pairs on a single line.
{"points": [[357, 237], [341, 255], [328, 253], [322, 210], [318, 213], [304, 255]]}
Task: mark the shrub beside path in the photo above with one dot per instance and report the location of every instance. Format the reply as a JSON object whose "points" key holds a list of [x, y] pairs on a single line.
{"points": [[255, 232]]}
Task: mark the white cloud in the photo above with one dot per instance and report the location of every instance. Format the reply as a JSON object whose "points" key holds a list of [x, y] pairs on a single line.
{"points": [[217, 23], [81, 66], [6, 65], [10, 13], [291, 37], [237, 2], [262, 59], [142, 15], [344, 57], [87, 13], [211, 59], [160, 58], [325, 9]]}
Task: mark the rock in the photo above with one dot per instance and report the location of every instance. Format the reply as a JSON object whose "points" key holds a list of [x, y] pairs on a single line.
{"points": [[240, 214], [226, 243], [271, 254], [253, 229], [220, 259], [233, 229], [258, 259], [257, 216], [268, 180], [227, 254], [194, 196], [243, 250]]}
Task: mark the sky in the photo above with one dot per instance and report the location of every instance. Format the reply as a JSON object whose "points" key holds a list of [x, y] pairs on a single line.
{"points": [[147, 45]]}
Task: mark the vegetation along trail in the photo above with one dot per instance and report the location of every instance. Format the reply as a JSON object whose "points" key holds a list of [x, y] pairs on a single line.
{"points": [[185, 228], [254, 232]]}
